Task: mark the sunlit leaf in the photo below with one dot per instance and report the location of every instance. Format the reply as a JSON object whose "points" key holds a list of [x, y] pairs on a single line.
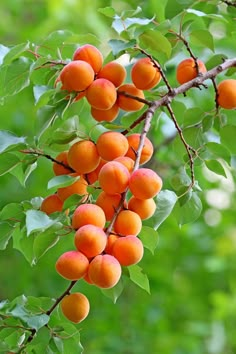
{"points": [[138, 277], [38, 221], [9, 141], [7, 162], [149, 238], [15, 52], [155, 41], [216, 167], [6, 230], [165, 201]]}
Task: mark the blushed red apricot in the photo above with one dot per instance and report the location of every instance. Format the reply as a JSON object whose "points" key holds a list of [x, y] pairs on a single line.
{"points": [[90, 240], [145, 208], [186, 70], [72, 265], [83, 156], [144, 183], [128, 103], [147, 150], [58, 168], [128, 223], [104, 271], [107, 115], [112, 144], [111, 239], [108, 203], [90, 54], [75, 307], [88, 214], [76, 76], [114, 72], [126, 161], [144, 74], [128, 250], [78, 187], [226, 94], [51, 204], [101, 94], [113, 177]]}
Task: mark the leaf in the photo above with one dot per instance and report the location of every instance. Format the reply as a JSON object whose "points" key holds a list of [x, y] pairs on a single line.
{"points": [[114, 292], [12, 210], [7, 162], [192, 116], [107, 11], [121, 24], [227, 137], [43, 242], [203, 38], [3, 51], [149, 238], [118, 46], [216, 167], [38, 221], [61, 181], [6, 230], [155, 41], [15, 52], [165, 201], [138, 277], [190, 210], [218, 151], [9, 141]]}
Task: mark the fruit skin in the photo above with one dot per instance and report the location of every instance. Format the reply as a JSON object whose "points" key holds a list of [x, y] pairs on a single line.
{"points": [[91, 55], [144, 183], [51, 204], [59, 169], [88, 214], [226, 94], [78, 187], [72, 265], [108, 203], [126, 161], [107, 115], [128, 250], [113, 177], [104, 271], [114, 72], [147, 150], [92, 177], [101, 94], [112, 144], [145, 208], [127, 223], [76, 76], [75, 307], [110, 243], [127, 103], [187, 71], [144, 74], [83, 156], [90, 240]]}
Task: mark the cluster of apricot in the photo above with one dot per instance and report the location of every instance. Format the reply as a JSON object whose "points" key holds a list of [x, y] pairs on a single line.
{"points": [[106, 230]]}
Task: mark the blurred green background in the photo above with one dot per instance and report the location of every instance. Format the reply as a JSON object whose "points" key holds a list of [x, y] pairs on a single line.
{"points": [[192, 306]]}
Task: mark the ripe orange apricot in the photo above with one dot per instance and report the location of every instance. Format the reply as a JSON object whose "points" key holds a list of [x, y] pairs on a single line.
{"points": [[90, 240], [128, 250], [144, 183], [101, 94], [127, 223], [78, 187], [113, 177], [51, 204], [91, 55], [92, 176], [112, 144], [111, 239], [83, 156], [147, 150], [186, 70], [145, 208], [104, 271], [75, 307], [76, 76], [88, 214], [107, 115], [72, 265], [59, 169], [108, 203], [114, 72], [128, 103], [126, 161], [144, 74], [226, 91]]}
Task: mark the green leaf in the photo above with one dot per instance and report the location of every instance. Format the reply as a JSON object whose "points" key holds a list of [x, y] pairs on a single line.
{"points": [[149, 238], [216, 167], [42, 95], [218, 151], [15, 52], [61, 181], [107, 11], [227, 135], [7, 162], [66, 132], [203, 38], [114, 292], [38, 221], [192, 116], [118, 46], [43, 242], [189, 211], [121, 24], [138, 277], [12, 210], [6, 230], [3, 51], [165, 201], [155, 41], [9, 141]]}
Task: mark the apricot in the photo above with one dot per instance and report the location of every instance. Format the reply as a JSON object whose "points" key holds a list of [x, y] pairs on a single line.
{"points": [[104, 271], [128, 250], [111, 239], [92, 177], [76, 76], [101, 94], [51, 204], [75, 307], [144, 74], [127, 223], [129, 103], [145, 208], [114, 72], [90, 240], [146, 152], [58, 168], [72, 265], [107, 115], [83, 156], [108, 203], [88, 214], [91, 55], [186, 70], [126, 161], [112, 144], [226, 94], [78, 187], [144, 183], [113, 177]]}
